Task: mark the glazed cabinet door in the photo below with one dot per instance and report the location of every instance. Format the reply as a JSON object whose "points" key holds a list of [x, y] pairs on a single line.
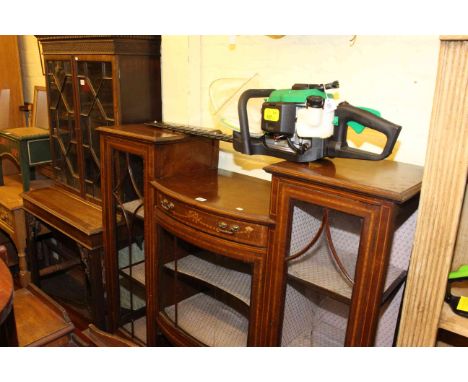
{"points": [[205, 298], [125, 244], [81, 98], [339, 286], [62, 107], [96, 108]]}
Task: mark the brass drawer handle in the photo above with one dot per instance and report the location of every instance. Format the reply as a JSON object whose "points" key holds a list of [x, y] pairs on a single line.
{"points": [[167, 205], [223, 227]]}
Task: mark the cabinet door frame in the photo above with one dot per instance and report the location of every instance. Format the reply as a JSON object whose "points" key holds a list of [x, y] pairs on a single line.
{"points": [[115, 91], [109, 145], [64, 58], [374, 252]]}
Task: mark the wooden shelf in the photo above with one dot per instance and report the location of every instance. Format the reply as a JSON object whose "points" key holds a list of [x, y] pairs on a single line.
{"points": [[453, 322], [133, 205], [233, 282], [317, 269], [210, 321], [137, 272]]}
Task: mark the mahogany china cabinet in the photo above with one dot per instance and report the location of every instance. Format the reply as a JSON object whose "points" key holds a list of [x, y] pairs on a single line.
{"points": [[200, 256], [341, 251], [96, 81], [131, 157]]}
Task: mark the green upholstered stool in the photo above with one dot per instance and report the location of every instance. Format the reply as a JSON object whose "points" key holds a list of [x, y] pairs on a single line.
{"points": [[28, 147]]}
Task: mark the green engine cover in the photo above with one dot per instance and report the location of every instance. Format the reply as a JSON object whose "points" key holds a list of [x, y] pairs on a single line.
{"points": [[294, 96]]}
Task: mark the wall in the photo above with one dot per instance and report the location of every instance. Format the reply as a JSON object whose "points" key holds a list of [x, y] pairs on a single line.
{"points": [[30, 66], [394, 74]]}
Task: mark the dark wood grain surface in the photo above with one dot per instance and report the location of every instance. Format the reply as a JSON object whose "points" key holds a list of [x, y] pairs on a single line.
{"points": [[39, 319], [225, 192], [387, 179], [142, 132], [67, 207]]}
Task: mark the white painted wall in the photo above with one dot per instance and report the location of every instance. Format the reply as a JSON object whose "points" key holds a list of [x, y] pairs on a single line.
{"points": [[30, 66], [394, 74]]}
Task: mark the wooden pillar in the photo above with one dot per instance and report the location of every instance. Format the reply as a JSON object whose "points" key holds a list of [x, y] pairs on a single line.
{"points": [[442, 193]]}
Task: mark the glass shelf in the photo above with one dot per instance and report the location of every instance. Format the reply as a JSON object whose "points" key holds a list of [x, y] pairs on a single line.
{"points": [[135, 205], [136, 272]]}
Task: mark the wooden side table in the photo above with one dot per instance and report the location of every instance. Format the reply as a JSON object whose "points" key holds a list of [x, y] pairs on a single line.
{"points": [[78, 220], [352, 208], [28, 147]]}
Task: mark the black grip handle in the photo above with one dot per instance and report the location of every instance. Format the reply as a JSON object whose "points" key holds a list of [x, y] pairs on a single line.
{"points": [[243, 116], [346, 113]]}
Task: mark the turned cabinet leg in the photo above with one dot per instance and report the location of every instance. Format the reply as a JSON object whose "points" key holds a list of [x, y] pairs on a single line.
{"points": [[20, 242]]}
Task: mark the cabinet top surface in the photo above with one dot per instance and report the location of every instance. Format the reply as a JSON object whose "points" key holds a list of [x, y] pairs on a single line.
{"points": [[142, 132], [25, 133], [221, 191], [137, 45], [95, 37], [385, 179], [68, 207]]}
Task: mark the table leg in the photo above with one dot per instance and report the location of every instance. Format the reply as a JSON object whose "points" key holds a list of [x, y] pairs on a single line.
{"points": [[32, 228], [20, 242], [92, 260]]}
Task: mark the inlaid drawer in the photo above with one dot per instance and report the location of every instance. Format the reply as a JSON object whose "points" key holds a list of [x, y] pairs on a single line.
{"points": [[206, 221]]}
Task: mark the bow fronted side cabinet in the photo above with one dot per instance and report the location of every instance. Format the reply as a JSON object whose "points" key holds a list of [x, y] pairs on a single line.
{"points": [[344, 232]]}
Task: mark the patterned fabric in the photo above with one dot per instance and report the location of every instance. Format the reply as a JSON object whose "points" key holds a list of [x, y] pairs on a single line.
{"points": [[325, 318], [210, 321]]}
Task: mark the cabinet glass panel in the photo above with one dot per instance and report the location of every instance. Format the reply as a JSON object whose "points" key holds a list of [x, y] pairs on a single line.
{"points": [[62, 120], [320, 269], [127, 198], [203, 294], [321, 264], [96, 109]]}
